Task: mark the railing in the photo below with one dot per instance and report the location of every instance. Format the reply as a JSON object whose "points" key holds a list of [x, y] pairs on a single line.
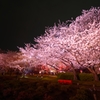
{"points": [[63, 81]]}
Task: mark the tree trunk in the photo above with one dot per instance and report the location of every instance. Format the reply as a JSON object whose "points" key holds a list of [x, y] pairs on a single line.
{"points": [[92, 70], [75, 74], [72, 66], [96, 78]]}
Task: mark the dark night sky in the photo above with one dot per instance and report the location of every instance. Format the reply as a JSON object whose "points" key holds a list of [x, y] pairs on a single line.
{"points": [[22, 20]]}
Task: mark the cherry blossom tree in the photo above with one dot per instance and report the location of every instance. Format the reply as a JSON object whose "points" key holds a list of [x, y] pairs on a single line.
{"points": [[6, 60], [58, 49], [3, 67], [70, 44], [87, 28], [73, 43]]}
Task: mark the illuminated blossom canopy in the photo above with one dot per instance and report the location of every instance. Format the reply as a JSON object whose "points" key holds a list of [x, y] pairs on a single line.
{"points": [[79, 37]]}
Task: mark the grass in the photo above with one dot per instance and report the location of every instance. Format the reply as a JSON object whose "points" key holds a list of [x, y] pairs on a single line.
{"points": [[47, 78], [54, 78]]}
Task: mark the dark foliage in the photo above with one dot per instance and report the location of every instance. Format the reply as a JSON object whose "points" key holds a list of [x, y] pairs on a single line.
{"points": [[31, 89]]}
